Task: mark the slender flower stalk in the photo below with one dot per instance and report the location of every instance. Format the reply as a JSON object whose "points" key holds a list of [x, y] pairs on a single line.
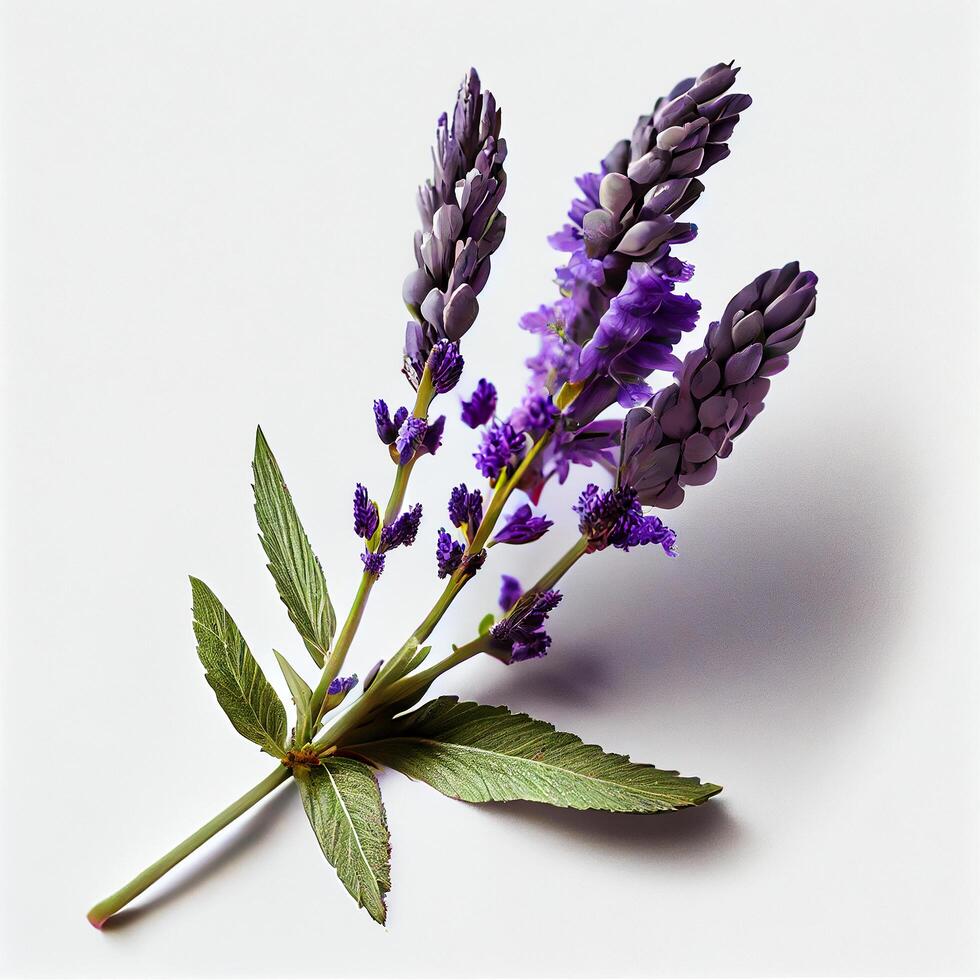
{"points": [[618, 317]]}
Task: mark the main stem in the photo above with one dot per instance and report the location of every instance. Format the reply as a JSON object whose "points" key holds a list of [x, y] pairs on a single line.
{"points": [[111, 905]]}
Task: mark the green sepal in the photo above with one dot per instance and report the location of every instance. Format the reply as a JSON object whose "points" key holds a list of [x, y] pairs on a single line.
{"points": [[375, 539], [486, 624]]}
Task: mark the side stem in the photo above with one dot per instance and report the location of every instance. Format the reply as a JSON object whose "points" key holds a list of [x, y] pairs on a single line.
{"points": [[111, 905]]}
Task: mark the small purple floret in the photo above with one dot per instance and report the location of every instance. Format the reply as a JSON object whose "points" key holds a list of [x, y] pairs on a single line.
{"points": [[449, 553], [466, 508], [481, 406], [510, 592], [402, 530], [341, 685], [365, 513], [445, 366], [374, 563], [522, 527], [410, 437], [387, 430], [432, 439]]}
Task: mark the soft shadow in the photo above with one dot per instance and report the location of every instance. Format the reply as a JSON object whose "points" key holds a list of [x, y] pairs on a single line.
{"points": [[235, 842], [795, 606], [681, 835]]}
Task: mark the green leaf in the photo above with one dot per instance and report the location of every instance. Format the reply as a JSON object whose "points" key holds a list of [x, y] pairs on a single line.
{"points": [[485, 624], [248, 699], [297, 571], [477, 753], [302, 695], [343, 803]]}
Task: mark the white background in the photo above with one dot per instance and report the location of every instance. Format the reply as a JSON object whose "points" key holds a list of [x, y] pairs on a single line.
{"points": [[208, 213]]}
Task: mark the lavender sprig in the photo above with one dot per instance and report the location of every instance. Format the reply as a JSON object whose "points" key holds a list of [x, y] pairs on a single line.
{"points": [[620, 313]]}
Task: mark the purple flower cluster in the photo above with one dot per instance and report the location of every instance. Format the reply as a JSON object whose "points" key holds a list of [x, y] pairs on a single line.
{"points": [[521, 632], [620, 312], [502, 446], [630, 208], [466, 509], [615, 517], [535, 414], [401, 531], [462, 225], [635, 337]]}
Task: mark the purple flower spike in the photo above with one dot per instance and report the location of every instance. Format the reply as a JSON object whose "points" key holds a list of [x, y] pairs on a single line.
{"points": [[522, 527], [341, 685], [449, 553], [410, 437], [521, 631], [501, 447], [481, 406], [445, 366], [402, 530], [466, 508], [462, 225], [374, 563], [676, 440], [510, 592], [387, 429], [365, 513]]}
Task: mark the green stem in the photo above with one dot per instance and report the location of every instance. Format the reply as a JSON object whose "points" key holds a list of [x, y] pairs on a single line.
{"points": [[560, 567], [111, 905], [336, 662], [398, 490], [424, 630]]}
